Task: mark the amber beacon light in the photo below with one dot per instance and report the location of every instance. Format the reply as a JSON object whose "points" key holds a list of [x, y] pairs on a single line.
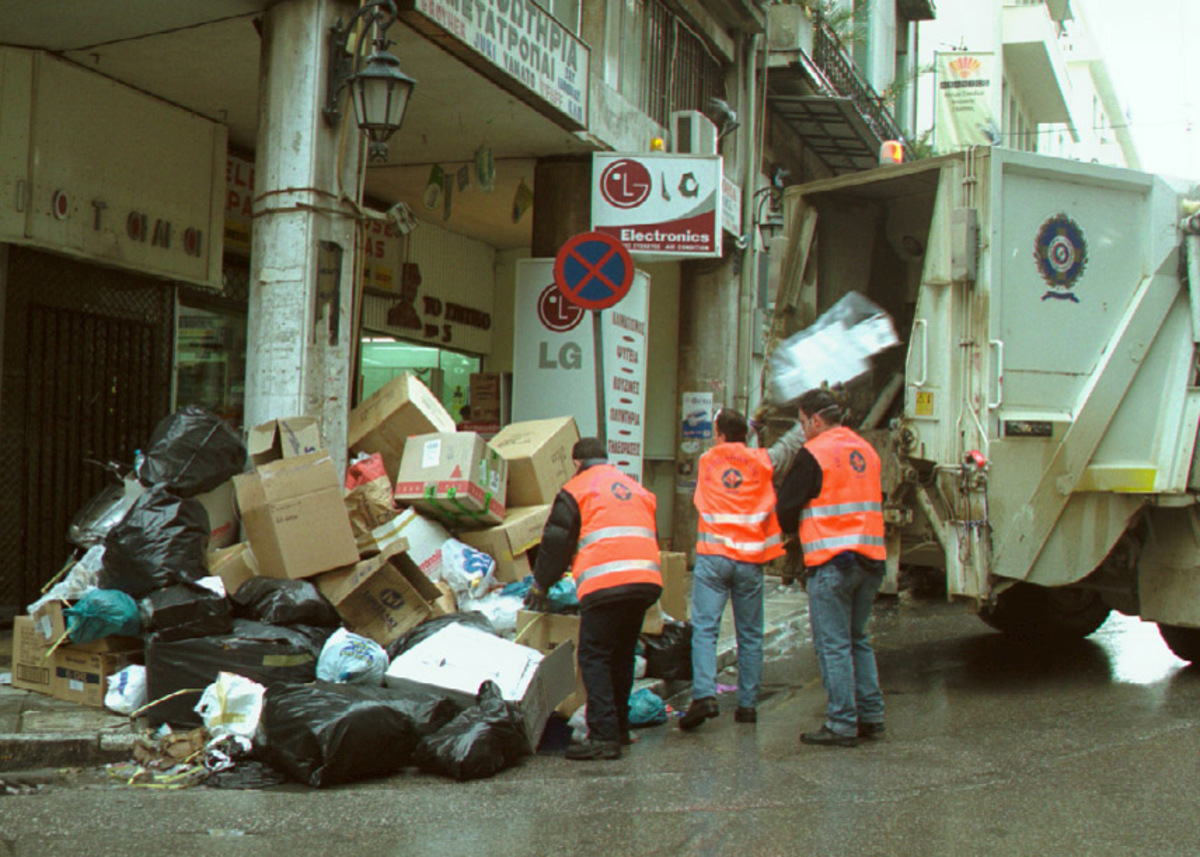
{"points": [[891, 152]]}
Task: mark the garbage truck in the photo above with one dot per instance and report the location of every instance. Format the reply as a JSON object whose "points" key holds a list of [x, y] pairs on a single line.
{"points": [[1037, 422]]}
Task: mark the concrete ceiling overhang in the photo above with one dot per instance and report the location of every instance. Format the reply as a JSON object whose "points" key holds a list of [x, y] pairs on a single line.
{"points": [[203, 55]]}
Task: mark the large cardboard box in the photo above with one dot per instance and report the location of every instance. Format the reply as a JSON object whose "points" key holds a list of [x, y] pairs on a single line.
{"points": [[508, 542], [425, 539], [285, 438], [222, 517], [294, 517], [455, 477], [234, 565], [675, 585], [383, 596], [546, 632], [458, 659], [539, 458], [69, 672], [398, 410]]}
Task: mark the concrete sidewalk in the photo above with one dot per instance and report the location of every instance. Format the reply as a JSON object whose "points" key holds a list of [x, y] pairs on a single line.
{"points": [[41, 732]]}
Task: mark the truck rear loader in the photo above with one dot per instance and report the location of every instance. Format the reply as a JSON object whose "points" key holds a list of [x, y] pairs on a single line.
{"points": [[1038, 422]]}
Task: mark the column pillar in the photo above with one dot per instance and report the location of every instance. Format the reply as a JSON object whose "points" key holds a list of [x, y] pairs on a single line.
{"points": [[303, 253]]}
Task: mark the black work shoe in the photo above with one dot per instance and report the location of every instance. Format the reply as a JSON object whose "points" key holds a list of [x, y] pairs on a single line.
{"points": [[872, 731], [589, 749], [699, 711], [746, 715], [826, 737]]}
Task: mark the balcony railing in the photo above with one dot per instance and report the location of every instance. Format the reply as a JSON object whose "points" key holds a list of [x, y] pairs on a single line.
{"points": [[831, 58]]}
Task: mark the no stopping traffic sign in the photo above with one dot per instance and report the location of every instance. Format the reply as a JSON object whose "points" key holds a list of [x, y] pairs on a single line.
{"points": [[593, 270]]}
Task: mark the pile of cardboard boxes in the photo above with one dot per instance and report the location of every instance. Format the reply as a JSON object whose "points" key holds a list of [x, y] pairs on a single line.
{"points": [[382, 573]]}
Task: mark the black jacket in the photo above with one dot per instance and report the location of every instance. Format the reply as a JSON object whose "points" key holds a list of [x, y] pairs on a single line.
{"points": [[560, 538]]}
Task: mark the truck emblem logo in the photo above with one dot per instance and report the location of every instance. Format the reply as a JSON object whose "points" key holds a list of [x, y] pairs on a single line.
{"points": [[731, 479], [858, 463], [1061, 255], [621, 492]]}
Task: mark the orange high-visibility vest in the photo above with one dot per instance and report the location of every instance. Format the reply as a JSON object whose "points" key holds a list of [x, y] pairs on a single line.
{"points": [[736, 502], [618, 542], [848, 513]]}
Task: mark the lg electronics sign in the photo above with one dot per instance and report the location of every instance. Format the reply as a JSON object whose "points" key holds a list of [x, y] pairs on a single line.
{"points": [[661, 206]]}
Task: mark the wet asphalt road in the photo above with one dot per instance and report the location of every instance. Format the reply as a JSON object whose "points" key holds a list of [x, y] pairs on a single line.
{"points": [[993, 749]]}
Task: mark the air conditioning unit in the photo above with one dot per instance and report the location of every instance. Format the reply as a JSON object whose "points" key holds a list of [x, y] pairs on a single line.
{"points": [[692, 133]]}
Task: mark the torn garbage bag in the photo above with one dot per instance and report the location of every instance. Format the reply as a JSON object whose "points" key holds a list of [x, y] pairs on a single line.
{"points": [[161, 540], [284, 602], [482, 740], [323, 734], [192, 451], [261, 653]]}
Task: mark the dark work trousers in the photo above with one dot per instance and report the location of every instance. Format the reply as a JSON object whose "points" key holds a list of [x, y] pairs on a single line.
{"points": [[608, 635]]}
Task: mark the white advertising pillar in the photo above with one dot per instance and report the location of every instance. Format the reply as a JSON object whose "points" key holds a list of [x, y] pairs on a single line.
{"points": [[303, 251]]}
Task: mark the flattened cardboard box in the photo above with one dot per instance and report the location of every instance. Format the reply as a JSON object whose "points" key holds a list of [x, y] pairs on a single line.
{"points": [[384, 596], [454, 476], [294, 517], [395, 412], [283, 438], [507, 543], [539, 458]]}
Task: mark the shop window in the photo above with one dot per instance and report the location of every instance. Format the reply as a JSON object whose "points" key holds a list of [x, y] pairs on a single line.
{"points": [[566, 11], [447, 373], [210, 361]]}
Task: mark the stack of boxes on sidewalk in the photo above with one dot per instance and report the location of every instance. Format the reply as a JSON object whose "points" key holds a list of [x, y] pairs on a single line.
{"points": [[428, 522]]}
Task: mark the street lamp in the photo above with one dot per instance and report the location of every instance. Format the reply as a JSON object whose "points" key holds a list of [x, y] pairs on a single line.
{"points": [[378, 88]]}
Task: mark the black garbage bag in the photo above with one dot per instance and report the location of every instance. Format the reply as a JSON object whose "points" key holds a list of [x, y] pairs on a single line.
{"points": [[471, 618], [185, 610], [283, 602], [192, 451], [669, 654], [161, 541], [261, 653], [481, 741], [324, 733]]}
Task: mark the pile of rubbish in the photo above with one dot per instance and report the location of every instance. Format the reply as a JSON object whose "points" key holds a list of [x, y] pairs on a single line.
{"points": [[259, 616]]}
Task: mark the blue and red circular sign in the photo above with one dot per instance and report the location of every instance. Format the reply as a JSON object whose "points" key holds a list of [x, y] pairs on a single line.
{"points": [[593, 270]]}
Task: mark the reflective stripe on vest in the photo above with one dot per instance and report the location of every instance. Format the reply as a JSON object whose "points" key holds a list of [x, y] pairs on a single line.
{"points": [[714, 539], [847, 515], [618, 542], [736, 502]]}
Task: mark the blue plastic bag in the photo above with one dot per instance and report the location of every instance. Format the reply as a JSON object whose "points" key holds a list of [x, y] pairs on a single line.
{"points": [[646, 708], [562, 596], [103, 613]]}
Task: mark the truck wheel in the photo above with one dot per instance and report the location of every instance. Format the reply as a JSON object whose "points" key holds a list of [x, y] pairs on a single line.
{"points": [[1027, 611], [1184, 642]]}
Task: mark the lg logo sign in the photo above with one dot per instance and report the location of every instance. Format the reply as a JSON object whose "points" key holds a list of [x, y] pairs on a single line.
{"points": [[559, 315], [625, 183]]}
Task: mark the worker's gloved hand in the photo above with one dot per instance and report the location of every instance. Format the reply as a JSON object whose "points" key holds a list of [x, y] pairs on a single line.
{"points": [[536, 599]]}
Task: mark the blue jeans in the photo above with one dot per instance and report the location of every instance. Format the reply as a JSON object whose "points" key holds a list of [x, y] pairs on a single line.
{"points": [[840, 595], [715, 580]]}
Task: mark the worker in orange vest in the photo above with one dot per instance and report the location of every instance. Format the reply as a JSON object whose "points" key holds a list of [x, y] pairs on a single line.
{"points": [[602, 527], [737, 533], [834, 495]]}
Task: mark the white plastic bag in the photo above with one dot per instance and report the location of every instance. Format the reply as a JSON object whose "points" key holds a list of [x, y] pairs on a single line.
{"points": [[578, 724], [500, 609], [470, 572], [350, 659], [126, 690], [231, 705], [78, 581]]}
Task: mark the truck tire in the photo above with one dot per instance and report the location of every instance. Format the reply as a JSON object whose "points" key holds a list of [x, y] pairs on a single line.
{"points": [[1034, 612], [1184, 642]]}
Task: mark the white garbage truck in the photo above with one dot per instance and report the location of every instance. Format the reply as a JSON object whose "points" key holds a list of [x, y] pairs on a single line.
{"points": [[1038, 421]]}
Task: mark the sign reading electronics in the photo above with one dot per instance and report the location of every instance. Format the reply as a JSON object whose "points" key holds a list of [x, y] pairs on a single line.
{"points": [[660, 206], [521, 41]]}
